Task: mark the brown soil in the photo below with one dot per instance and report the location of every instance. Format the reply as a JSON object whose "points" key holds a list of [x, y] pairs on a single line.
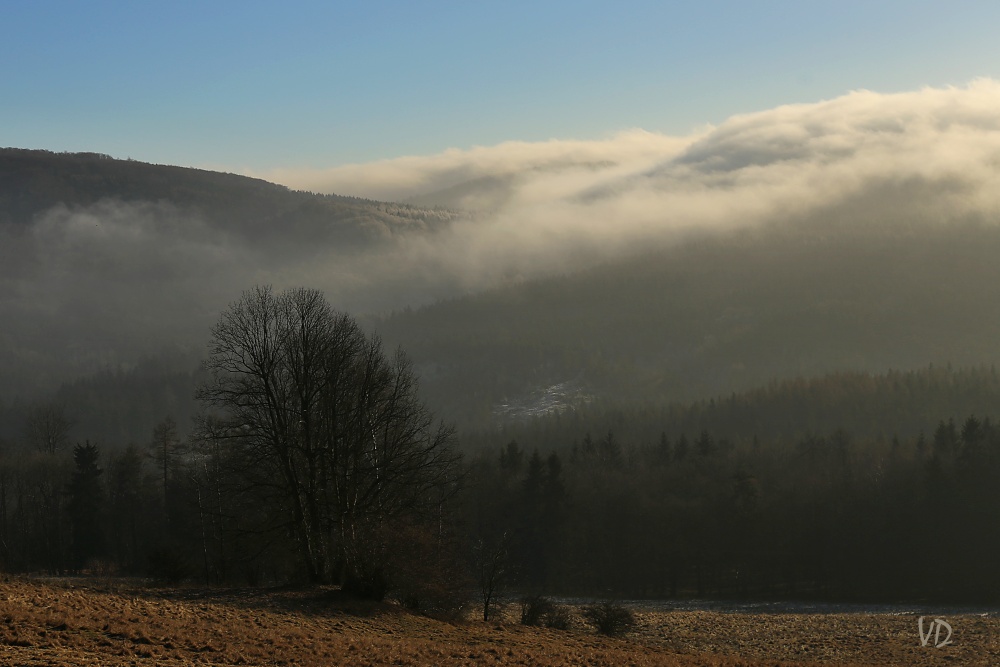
{"points": [[72, 623]]}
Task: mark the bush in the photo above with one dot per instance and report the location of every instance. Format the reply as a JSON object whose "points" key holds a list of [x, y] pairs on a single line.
{"points": [[426, 571], [559, 618], [609, 618], [537, 610], [534, 608]]}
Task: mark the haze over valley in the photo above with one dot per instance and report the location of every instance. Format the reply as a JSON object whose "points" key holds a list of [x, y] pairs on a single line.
{"points": [[855, 234]]}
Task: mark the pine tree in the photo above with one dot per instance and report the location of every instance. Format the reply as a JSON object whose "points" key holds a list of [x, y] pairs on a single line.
{"points": [[86, 500]]}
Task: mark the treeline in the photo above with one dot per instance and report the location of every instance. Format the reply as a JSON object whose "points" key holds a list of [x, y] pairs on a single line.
{"points": [[64, 508], [121, 406], [870, 406], [117, 406], [173, 510], [690, 514], [824, 517]]}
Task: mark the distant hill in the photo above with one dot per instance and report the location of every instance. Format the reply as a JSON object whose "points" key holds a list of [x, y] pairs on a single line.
{"points": [[718, 315], [103, 261], [33, 181]]}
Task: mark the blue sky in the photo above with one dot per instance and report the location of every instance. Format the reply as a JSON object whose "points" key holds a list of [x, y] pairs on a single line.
{"points": [[250, 85]]}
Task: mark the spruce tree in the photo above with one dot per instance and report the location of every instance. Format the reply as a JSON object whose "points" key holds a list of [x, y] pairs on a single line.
{"points": [[86, 498]]}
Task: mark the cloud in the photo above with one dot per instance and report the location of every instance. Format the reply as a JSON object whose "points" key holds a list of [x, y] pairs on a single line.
{"points": [[119, 276], [404, 178], [864, 158]]}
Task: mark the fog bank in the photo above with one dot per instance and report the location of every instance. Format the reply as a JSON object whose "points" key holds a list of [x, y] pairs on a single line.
{"points": [[928, 156], [92, 285]]}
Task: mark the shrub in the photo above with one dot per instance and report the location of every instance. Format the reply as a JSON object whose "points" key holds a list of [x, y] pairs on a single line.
{"points": [[609, 618], [559, 618], [537, 610], [426, 572], [534, 609]]}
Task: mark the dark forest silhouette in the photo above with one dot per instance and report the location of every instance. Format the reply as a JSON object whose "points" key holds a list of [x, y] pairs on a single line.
{"points": [[725, 498]]}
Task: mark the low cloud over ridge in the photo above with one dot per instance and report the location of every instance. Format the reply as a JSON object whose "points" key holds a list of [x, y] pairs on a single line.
{"points": [[120, 275], [863, 158], [947, 129]]}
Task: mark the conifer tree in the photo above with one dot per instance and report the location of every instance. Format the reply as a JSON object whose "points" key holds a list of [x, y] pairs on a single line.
{"points": [[86, 500]]}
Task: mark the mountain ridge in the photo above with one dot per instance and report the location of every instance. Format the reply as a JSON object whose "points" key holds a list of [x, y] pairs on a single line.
{"points": [[104, 260]]}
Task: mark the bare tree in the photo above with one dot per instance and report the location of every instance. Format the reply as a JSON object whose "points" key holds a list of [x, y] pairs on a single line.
{"points": [[493, 565], [330, 430], [164, 448], [47, 427]]}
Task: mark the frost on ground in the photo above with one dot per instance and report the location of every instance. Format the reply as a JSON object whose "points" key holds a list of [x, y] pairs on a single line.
{"points": [[543, 401]]}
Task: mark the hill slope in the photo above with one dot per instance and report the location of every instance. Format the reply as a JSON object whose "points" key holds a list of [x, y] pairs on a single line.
{"points": [[104, 260], [719, 315], [33, 181]]}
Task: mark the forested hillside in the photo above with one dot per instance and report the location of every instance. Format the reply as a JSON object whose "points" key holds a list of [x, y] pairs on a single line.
{"points": [[557, 508], [717, 315], [873, 407], [105, 261], [32, 182]]}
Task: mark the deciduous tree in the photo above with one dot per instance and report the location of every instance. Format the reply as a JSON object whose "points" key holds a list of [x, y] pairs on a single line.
{"points": [[330, 429]]}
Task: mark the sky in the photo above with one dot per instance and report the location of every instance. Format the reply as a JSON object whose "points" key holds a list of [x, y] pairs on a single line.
{"points": [[254, 87]]}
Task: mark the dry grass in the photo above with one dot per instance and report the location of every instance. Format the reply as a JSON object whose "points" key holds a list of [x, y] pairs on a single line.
{"points": [[829, 639], [72, 624]]}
